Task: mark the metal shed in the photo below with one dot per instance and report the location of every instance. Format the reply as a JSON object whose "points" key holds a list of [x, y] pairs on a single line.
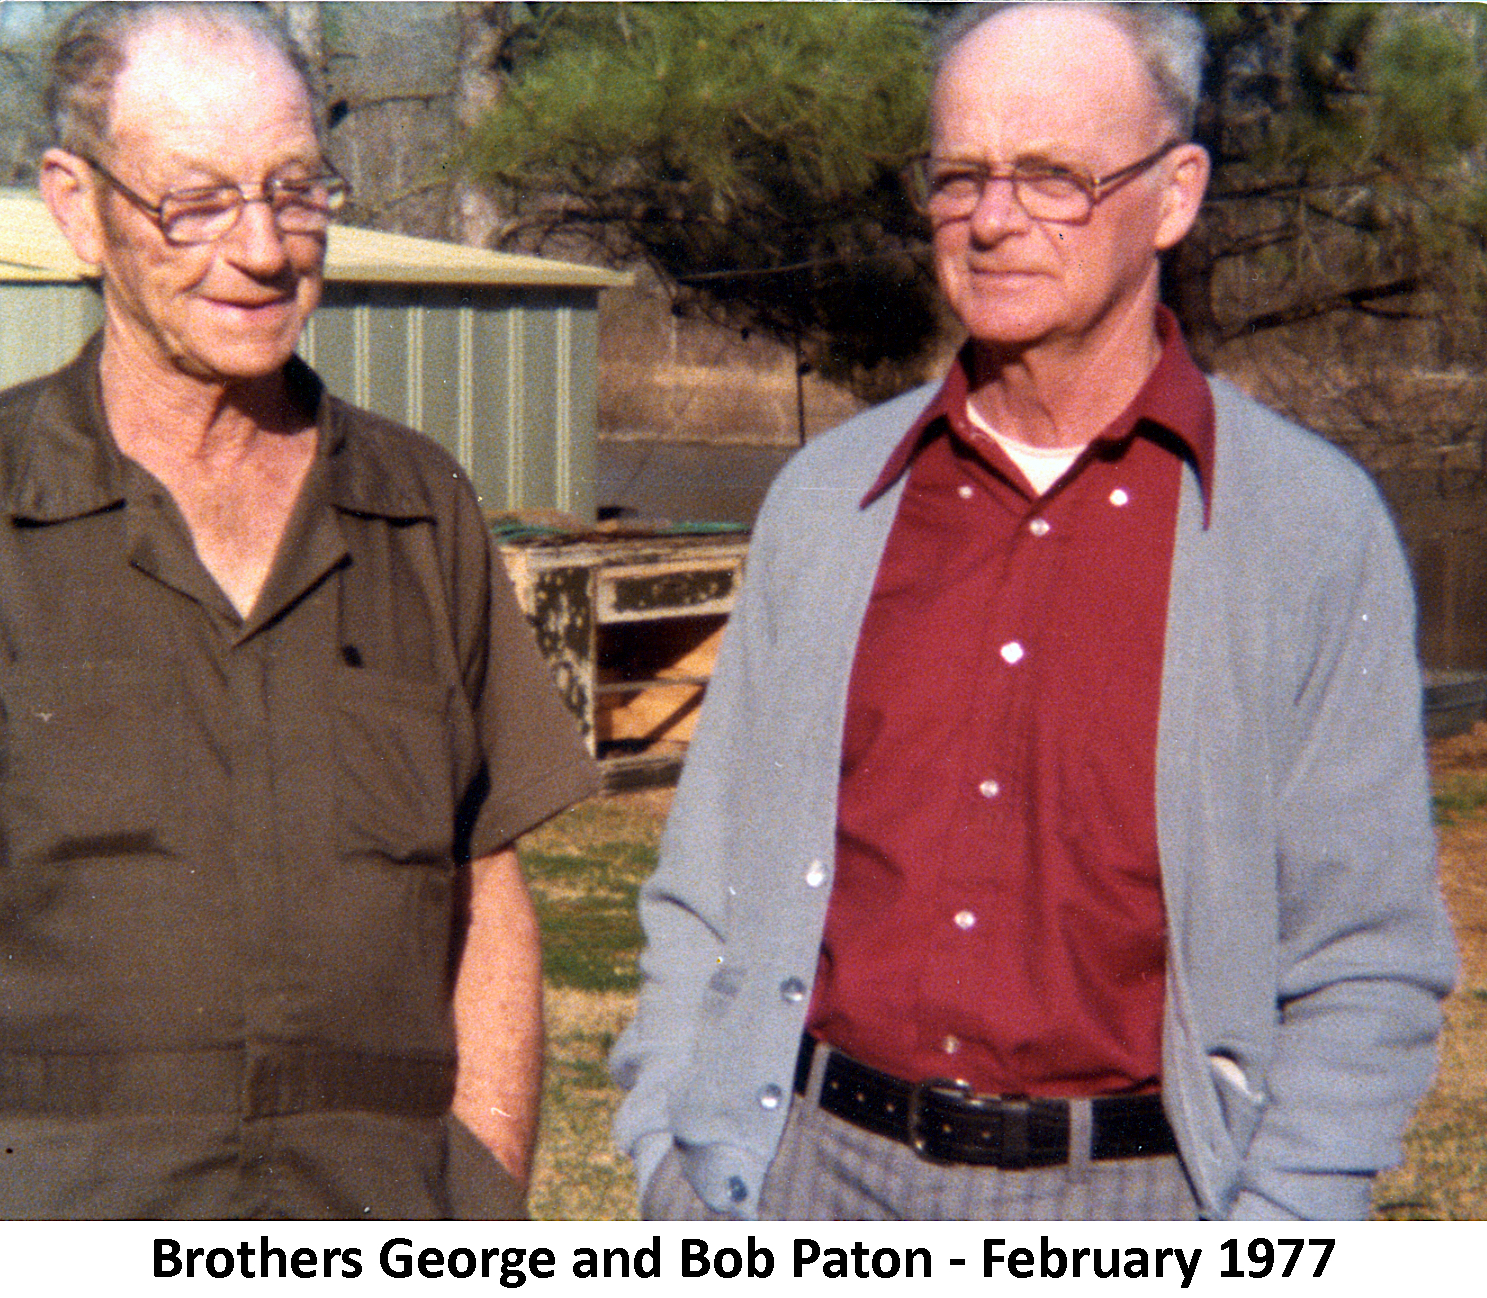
{"points": [[492, 354]]}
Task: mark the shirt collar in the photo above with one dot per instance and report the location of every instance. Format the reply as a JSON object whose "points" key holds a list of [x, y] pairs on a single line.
{"points": [[1175, 398], [60, 462], [63, 464], [366, 469]]}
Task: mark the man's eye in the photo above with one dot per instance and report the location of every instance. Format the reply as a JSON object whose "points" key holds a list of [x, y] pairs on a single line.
{"points": [[1051, 182], [201, 202], [311, 192], [952, 183]]}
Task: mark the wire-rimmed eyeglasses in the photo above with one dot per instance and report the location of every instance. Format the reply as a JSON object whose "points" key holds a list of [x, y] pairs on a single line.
{"points": [[948, 189], [299, 205]]}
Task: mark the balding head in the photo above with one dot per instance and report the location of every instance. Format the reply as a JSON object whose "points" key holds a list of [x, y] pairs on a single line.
{"points": [[94, 45], [1168, 39], [201, 202]]}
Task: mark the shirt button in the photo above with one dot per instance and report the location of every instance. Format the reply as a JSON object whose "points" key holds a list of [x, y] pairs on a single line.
{"points": [[965, 920], [737, 1190], [990, 788], [950, 1045], [792, 990], [770, 1096], [1038, 527], [1120, 497], [964, 491], [815, 874], [1011, 652]]}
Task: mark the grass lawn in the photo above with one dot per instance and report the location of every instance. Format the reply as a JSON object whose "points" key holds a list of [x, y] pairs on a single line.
{"points": [[1445, 1175], [586, 866]]}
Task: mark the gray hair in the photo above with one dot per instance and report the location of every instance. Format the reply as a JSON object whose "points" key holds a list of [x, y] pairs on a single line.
{"points": [[1169, 39], [94, 43]]}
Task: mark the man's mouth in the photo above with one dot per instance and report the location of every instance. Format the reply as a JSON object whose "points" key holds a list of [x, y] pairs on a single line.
{"points": [[250, 308]]}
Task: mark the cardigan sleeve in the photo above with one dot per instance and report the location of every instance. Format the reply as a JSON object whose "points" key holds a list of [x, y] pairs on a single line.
{"points": [[684, 906], [1364, 950], [735, 909]]}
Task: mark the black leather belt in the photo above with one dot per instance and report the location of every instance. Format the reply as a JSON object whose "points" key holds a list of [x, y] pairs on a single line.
{"points": [[944, 1122]]}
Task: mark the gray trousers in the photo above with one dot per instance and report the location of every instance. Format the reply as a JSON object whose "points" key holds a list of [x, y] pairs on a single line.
{"points": [[828, 1170]]}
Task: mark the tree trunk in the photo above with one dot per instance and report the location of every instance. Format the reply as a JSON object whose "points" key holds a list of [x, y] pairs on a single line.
{"points": [[303, 21], [484, 29]]}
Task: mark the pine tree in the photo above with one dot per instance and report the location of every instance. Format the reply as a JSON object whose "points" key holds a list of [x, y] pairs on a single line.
{"points": [[748, 153], [1342, 251], [1344, 140]]}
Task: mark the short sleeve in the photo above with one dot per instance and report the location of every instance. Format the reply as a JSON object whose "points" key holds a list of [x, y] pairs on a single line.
{"points": [[533, 761]]}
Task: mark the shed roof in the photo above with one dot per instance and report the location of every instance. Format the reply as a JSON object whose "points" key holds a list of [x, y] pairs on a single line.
{"points": [[32, 248]]}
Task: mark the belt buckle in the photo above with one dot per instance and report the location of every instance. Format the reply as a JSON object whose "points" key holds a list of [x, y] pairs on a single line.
{"points": [[945, 1086], [1012, 1113]]}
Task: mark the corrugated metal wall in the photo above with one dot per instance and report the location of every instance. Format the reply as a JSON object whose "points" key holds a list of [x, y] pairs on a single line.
{"points": [[502, 377], [43, 325]]}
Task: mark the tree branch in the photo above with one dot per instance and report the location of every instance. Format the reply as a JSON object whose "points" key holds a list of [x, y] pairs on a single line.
{"points": [[1354, 299]]}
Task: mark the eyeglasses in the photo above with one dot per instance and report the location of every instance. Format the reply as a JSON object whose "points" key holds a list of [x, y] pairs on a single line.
{"points": [[946, 190], [299, 204]]}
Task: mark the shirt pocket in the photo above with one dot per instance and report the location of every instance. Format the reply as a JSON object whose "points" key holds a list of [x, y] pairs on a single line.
{"points": [[397, 744], [91, 759]]}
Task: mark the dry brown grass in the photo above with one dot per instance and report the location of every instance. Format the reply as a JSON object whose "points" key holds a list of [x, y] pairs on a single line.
{"points": [[1445, 1173], [579, 1175]]}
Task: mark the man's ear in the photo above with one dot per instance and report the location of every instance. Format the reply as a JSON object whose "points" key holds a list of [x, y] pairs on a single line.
{"points": [[1187, 168], [68, 187]]}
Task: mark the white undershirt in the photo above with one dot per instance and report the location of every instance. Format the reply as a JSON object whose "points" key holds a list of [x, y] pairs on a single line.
{"points": [[1041, 466]]}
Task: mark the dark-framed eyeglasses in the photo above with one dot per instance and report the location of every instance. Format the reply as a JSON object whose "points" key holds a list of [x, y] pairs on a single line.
{"points": [[299, 205], [946, 189]]}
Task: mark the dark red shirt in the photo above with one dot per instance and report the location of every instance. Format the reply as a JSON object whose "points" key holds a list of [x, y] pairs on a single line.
{"points": [[997, 910]]}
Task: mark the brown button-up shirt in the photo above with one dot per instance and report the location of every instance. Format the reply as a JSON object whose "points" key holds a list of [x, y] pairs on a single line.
{"points": [[997, 912], [233, 846]]}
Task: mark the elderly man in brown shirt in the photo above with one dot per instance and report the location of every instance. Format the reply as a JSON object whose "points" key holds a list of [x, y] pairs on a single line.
{"points": [[271, 717]]}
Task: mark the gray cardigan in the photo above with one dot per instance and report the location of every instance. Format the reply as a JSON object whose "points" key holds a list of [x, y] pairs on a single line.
{"points": [[1308, 947]]}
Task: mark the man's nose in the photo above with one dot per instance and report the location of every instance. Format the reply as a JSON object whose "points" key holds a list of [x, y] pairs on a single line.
{"points": [[998, 210], [256, 243]]}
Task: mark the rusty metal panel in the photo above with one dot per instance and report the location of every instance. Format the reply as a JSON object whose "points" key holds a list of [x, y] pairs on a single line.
{"points": [[666, 589], [563, 618], [630, 626]]}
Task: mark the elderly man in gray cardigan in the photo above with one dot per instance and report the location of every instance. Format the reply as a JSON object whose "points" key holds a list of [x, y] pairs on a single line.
{"points": [[1055, 841]]}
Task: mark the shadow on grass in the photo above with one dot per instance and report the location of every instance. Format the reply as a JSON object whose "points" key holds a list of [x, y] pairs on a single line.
{"points": [[590, 944]]}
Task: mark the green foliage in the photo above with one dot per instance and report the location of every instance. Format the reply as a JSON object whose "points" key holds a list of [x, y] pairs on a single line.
{"points": [[748, 152], [727, 96], [1429, 92], [1346, 142]]}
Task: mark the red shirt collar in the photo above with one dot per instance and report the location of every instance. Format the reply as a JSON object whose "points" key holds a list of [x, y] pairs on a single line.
{"points": [[1175, 397]]}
